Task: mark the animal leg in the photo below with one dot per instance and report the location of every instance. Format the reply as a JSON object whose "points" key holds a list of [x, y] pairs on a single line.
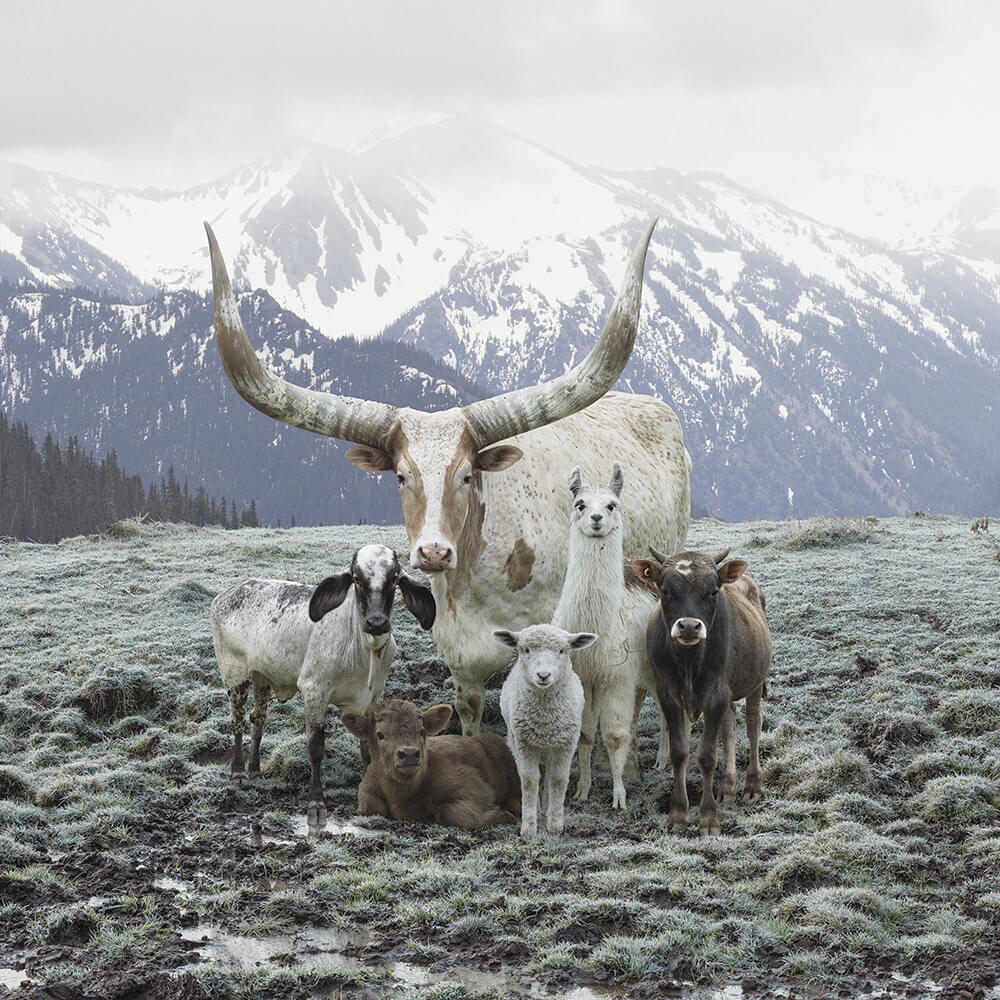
{"points": [[371, 803], [708, 750], [470, 697], [616, 732], [680, 744], [556, 782], [588, 730], [316, 743], [528, 766], [632, 763], [753, 787], [663, 751], [261, 696], [727, 787], [238, 720]]}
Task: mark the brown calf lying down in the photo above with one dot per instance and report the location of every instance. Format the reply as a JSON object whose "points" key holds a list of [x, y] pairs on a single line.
{"points": [[467, 781]]}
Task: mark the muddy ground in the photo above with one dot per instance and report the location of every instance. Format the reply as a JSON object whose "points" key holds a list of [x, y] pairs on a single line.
{"points": [[131, 867]]}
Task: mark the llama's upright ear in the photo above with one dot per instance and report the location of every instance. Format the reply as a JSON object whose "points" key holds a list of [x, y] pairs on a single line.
{"points": [[574, 481], [616, 481]]}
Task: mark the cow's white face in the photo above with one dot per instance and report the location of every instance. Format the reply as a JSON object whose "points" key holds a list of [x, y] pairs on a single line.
{"points": [[439, 470]]}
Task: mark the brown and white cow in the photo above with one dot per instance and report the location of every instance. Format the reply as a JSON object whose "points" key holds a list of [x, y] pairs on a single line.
{"points": [[482, 486]]}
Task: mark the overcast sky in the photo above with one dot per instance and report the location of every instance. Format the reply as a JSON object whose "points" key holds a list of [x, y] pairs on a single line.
{"points": [[173, 94]]}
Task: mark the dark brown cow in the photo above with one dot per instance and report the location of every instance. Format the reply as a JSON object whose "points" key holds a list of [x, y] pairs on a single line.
{"points": [[419, 776], [709, 646]]}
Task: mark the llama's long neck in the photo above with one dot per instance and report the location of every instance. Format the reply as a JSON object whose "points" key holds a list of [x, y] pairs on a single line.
{"points": [[594, 586]]}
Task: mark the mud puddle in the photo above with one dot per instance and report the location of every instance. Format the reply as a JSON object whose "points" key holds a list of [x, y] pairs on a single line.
{"points": [[12, 978]]}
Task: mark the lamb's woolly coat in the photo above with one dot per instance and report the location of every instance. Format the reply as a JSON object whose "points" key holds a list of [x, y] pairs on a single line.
{"points": [[542, 702]]}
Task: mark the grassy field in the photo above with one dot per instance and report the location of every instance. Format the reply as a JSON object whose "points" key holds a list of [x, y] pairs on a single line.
{"points": [[129, 866]]}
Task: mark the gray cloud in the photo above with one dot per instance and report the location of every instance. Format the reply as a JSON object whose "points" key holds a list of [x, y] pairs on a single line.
{"points": [[699, 83]]}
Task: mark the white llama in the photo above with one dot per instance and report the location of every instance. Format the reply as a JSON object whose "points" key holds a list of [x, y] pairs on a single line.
{"points": [[614, 670]]}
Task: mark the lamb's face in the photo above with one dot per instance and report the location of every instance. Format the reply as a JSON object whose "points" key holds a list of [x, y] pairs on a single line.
{"points": [[596, 510], [543, 652]]}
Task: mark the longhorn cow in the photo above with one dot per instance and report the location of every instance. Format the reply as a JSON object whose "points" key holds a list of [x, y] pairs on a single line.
{"points": [[482, 485]]}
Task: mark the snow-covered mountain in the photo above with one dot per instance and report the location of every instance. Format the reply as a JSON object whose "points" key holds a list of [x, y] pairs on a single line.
{"points": [[813, 370]]}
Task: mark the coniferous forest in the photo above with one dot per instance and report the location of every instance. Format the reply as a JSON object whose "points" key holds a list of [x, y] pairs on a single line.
{"points": [[61, 491]]}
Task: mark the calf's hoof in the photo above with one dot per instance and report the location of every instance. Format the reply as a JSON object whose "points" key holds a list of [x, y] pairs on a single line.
{"points": [[582, 794], [254, 772], [316, 814], [239, 778], [677, 822], [618, 801], [709, 826], [529, 831], [727, 792], [662, 761]]}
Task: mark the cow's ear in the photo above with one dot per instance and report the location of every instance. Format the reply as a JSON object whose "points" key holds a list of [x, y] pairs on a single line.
{"points": [[581, 640], [505, 637], [732, 570], [436, 718], [646, 569], [359, 725], [329, 594], [369, 459], [503, 456], [419, 599]]}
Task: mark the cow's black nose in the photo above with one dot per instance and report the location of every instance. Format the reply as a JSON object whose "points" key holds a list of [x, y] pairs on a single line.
{"points": [[408, 755]]}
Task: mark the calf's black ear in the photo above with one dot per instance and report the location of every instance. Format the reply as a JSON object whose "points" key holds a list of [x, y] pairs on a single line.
{"points": [[359, 725], [329, 594], [436, 718], [419, 599]]}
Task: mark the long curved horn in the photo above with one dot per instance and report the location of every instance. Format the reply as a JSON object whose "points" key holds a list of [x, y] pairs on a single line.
{"points": [[360, 420], [525, 409]]}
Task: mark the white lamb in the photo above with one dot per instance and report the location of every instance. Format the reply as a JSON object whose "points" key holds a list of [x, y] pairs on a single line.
{"points": [[613, 670], [542, 701]]}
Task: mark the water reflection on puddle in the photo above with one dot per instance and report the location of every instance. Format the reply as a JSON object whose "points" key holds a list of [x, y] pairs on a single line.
{"points": [[303, 830], [310, 948], [12, 978]]}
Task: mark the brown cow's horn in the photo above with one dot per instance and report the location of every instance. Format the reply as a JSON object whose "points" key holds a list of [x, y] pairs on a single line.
{"points": [[535, 406], [344, 417]]}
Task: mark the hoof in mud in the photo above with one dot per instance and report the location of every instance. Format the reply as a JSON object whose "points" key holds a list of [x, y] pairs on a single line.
{"points": [[677, 823], [710, 827], [529, 832], [752, 794], [316, 815], [239, 778], [254, 772], [582, 795]]}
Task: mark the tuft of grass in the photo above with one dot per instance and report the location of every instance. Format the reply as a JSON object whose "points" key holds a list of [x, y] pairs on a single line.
{"points": [[827, 533], [14, 783], [828, 776], [970, 712], [961, 799], [124, 692]]}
